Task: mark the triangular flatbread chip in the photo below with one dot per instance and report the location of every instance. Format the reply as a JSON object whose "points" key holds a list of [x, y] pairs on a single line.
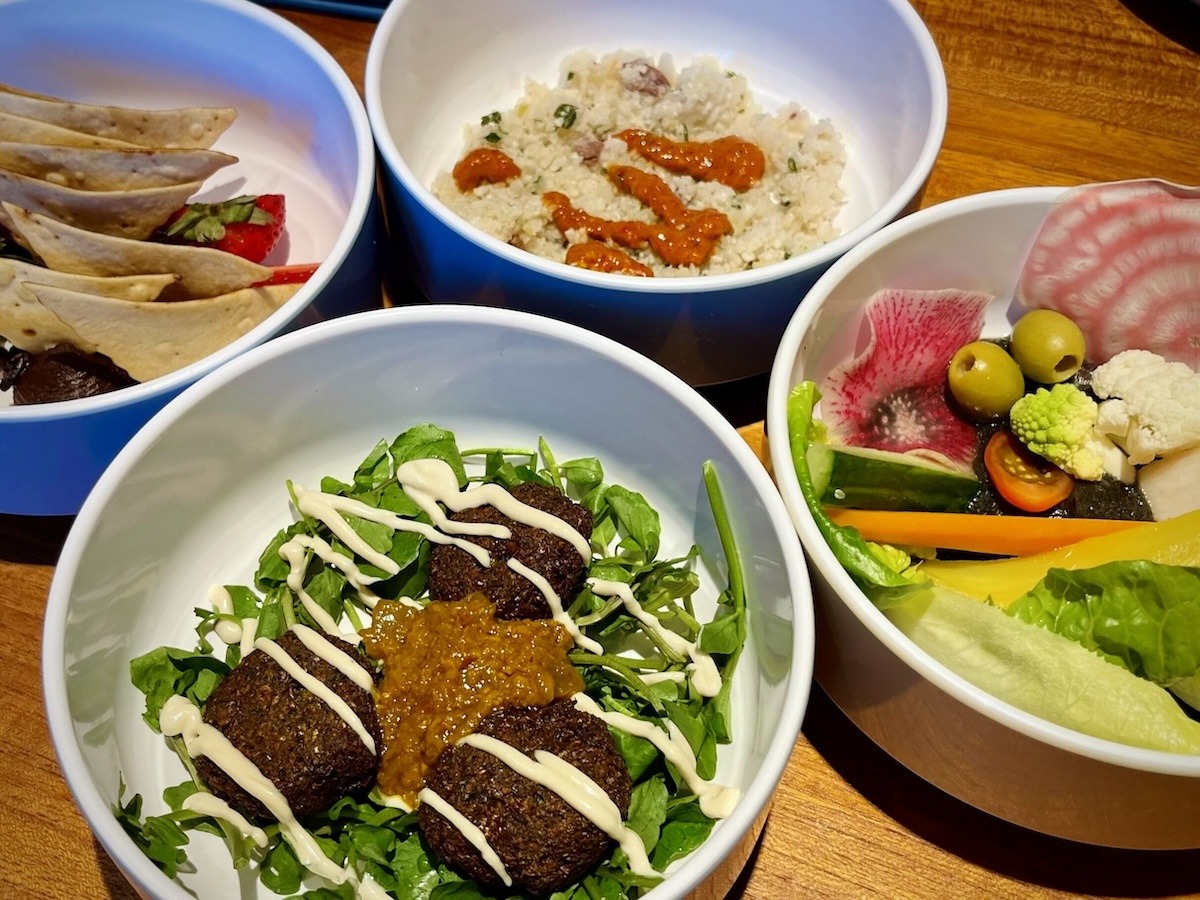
{"points": [[181, 127], [21, 128], [202, 271], [129, 214], [28, 325], [149, 340], [110, 169]]}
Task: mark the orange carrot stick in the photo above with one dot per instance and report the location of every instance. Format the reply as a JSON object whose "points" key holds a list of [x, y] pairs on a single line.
{"points": [[997, 535]]}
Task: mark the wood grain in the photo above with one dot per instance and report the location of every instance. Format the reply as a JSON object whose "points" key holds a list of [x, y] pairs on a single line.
{"points": [[1055, 92]]}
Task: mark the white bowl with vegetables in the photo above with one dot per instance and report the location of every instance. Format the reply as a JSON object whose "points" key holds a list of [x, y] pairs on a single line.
{"points": [[347, 412], [930, 488]]}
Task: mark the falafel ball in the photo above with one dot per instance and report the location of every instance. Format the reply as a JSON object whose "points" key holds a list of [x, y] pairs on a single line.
{"points": [[544, 843], [305, 748], [454, 573]]}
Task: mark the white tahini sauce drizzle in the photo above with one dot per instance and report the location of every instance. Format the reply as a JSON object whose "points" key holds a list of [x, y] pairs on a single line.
{"points": [[180, 717], [652, 677], [249, 630], [207, 804], [716, 801], [430, 480], [427, 481], [579, 791], [392, 800], [556, 608], [297, 559], [706, 677], [343, 563], [329, 508], [334, 655], [316, 686], [469, 830], [227, 630], [370, 889]]}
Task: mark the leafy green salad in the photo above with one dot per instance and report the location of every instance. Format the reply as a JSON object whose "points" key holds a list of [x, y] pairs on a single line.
{"points": [[383, 843]]}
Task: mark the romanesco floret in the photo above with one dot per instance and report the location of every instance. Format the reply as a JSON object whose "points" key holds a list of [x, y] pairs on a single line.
{"points": [[1155, 405], [1059, 424]]}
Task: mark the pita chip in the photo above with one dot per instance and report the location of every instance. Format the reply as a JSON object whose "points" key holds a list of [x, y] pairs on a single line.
{"points": [[130, 214], [149, 340], [202, 271], [20, 128], [180, 127], [28, 325], [111, 169]]}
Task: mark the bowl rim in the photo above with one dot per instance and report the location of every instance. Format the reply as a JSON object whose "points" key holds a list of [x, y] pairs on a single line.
{"points": [[697, 866], [821, 556], [356, 218], [815, 258]]}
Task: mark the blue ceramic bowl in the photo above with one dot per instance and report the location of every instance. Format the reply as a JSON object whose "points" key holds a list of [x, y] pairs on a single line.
{"points": [[301, 131], [869, 66]]}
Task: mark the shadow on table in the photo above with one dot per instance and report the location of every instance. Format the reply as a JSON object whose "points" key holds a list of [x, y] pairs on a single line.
{"points": [[117, 887], [1178, 20], [742, 402], [981, 838], [33, 540]]}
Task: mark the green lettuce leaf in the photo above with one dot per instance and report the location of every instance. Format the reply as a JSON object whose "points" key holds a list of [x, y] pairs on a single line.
{"points": [[1139, 614], [880, 571], [1043, 673]]}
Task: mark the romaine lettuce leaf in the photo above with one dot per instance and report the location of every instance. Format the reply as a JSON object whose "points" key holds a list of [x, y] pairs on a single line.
{"points": [[1043, 673], [1139, 614]]}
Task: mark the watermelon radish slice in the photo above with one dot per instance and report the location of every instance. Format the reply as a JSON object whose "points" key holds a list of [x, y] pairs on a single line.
{"points": [[892, 396], [1123, 260]]}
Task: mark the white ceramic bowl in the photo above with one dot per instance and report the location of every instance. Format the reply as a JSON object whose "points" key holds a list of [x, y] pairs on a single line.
{"points": [[301, 131], [983, 751], [194, 497], [868, 65]]}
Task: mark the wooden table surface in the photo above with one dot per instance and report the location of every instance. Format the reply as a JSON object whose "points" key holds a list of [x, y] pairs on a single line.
{"points": [[1042, 92]]}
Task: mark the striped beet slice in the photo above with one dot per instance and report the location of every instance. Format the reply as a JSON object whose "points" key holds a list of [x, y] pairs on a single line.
{"points": [[892, 396], [1123, 260]]}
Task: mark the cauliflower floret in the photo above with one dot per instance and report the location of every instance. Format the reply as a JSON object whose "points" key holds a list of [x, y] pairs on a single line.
{"points": [[1154, 408], [1059, 424]]}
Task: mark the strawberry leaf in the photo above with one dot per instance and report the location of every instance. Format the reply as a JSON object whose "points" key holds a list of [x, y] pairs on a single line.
{"points": [[205, 222]]}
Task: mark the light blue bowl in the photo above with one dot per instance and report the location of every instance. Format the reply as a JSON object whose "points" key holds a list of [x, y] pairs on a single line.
{"points": [[868, 65], [301, 131]]}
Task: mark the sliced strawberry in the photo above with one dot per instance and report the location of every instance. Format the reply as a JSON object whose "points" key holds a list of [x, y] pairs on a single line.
{"points": [[247, 226], [294, 274]]}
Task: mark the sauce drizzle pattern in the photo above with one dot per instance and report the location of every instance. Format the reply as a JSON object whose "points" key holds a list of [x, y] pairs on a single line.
{"points": [[430, 482]]}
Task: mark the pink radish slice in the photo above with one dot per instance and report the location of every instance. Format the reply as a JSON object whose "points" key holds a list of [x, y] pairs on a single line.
{"points": [[1123, 260], [892, 396]]}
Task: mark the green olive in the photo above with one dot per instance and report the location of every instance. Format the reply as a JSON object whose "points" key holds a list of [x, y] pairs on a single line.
{"points": [[984, 380], [1048, 346]]}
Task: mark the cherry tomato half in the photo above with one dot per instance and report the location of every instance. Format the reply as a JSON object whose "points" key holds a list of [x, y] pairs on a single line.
{"points": [[1023, 478]]}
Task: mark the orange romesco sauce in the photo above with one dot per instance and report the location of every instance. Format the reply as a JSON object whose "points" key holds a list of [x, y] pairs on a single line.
{"points": [[603, 258], [485, 164], [665, 203], [729, 160], [686, 237], [446, 667]]}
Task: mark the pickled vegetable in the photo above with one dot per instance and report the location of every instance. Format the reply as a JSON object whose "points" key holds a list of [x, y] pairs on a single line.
{"points": [[984, 380], [1048, 346]]}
